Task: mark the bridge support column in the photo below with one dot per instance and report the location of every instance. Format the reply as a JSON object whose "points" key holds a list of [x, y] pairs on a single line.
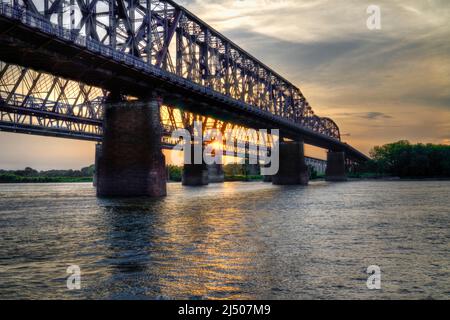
{"points": [[131, 163], [293, 169], [195, 175], [252, 169], [267, 179], [98, 153], [335, 167], [216, 173]]}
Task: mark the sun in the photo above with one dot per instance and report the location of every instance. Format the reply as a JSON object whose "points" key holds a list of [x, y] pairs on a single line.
{"points": [[216, 145]]}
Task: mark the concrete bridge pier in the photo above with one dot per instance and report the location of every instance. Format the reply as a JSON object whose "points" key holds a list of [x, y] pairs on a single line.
{"points": [[267, 179], [98, 152], [195, 175], [293, 169], [216, 173], [252, 169], [336, 167], [131, 162]]}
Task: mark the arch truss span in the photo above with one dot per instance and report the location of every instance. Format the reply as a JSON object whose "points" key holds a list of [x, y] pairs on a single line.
{"points": [[163, 38], [39, 103]]}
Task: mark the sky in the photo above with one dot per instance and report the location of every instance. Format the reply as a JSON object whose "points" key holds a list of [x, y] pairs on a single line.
{"points": [[380, 86]]}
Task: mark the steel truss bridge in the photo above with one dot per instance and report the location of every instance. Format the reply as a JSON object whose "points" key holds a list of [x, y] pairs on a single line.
{"points": [[37, 103], [61, 58]]}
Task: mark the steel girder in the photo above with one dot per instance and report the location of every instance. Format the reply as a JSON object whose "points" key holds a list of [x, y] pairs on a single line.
{"points": [[39, 101], [164, 34], [43, 104]]}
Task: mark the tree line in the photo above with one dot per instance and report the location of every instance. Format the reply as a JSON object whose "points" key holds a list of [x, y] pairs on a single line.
{"points": [[30, 175], [405, 160]]}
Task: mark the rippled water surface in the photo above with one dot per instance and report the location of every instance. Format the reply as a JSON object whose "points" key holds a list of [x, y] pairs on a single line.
{"points": [[236, 240]]}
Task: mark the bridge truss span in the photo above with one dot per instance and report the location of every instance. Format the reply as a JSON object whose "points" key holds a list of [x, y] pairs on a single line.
{"points": [[38, 103], [164, 39]]}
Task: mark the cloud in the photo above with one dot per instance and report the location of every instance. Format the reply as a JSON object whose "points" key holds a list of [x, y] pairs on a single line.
{"points": [[325, 48], [312, 20], [375, 116], [367, 115]]}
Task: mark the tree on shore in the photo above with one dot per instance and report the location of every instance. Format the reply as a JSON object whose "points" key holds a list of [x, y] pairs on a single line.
{"points": [[403, 159]]}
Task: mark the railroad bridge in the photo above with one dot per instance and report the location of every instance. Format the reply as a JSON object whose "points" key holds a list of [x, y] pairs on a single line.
{"points": [[127, 73]]}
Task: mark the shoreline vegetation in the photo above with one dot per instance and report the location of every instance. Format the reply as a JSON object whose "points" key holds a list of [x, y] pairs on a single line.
{"points": [[233, 173], [29, 175], [392, 162], [406, 161]]}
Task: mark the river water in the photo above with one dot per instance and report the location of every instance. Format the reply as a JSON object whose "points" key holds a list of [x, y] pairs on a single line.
{"points": [[226, 241]]}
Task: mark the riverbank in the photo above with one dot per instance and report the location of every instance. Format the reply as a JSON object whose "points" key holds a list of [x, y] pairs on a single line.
{"points": [[227, 179], [5, 179], [399, 179], [30, 175]]}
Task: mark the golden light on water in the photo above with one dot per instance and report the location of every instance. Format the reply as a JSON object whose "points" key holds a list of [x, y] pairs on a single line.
{"points": [[218, 264]]}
